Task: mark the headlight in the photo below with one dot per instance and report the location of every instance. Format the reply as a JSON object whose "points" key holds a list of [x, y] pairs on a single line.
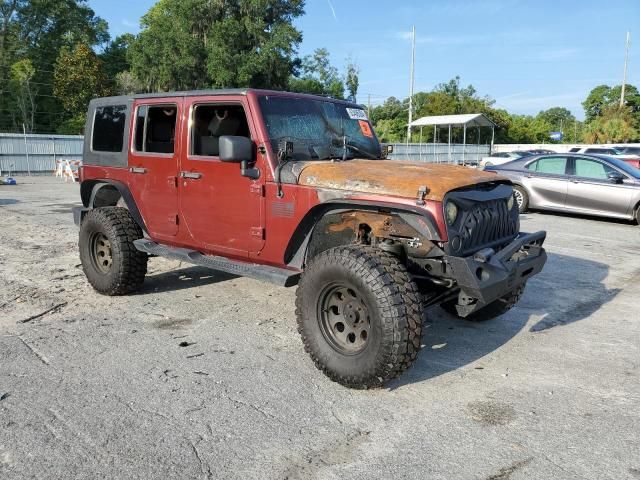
{"points": [[450, 213], [511, 201]]}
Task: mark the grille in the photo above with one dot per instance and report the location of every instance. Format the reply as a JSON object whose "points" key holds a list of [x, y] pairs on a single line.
{"points": [[487, 224]]}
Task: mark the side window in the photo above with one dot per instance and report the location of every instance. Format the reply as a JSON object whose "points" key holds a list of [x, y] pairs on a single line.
{"points": [[592, 169], [550, 165], [108, 128], [155, 128], [575, 149], [210, 122]]}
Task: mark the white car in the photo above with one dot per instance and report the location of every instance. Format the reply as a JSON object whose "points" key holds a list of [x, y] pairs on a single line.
{"points": [[499, 158], [614, 152]]}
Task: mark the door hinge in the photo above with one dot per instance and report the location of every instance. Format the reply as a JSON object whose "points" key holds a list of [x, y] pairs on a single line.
{"points": [[257, 188], [257, 232]]}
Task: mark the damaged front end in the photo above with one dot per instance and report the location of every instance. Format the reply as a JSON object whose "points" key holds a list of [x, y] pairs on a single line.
{"points": [[478, 258]]}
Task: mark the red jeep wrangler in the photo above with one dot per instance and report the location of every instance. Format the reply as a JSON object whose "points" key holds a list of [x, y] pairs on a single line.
{"points": [[294, 189]]}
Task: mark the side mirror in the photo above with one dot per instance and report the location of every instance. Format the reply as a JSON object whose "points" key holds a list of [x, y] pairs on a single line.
{"points": [[615, 177], [235, 149]]}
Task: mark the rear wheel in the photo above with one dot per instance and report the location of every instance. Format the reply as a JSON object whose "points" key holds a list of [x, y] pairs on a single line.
{"points": [[494, 309], [109, 258], [522, 198], [359, 314], [638, 214]]}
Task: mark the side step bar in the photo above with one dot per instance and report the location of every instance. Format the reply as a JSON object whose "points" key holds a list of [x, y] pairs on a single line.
{"points": [[279, 276]]}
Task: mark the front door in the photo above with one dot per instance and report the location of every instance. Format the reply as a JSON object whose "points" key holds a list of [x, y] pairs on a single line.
{"points": [[221, 209], [153, 164], [547, 182], [591, 190]]}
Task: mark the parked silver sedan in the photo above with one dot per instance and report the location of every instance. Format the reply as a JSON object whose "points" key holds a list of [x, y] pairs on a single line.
{"points": [[580, 183]]}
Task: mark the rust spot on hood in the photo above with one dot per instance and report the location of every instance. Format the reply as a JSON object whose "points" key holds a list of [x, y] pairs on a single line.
{"points": [[392, 177]]}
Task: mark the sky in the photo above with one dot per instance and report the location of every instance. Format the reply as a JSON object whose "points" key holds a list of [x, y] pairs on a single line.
{"points": [[528, 55]]}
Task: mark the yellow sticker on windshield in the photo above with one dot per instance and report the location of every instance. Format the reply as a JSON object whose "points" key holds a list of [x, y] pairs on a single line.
{"points": [[365, 128]]}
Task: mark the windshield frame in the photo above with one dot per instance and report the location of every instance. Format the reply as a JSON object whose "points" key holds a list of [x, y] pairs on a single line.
{"points": [[272, 155]]}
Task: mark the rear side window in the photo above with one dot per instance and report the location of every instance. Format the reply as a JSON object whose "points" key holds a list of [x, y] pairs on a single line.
{"points": [[155, 128], [108, 128], [573, 150], [551, 165]]}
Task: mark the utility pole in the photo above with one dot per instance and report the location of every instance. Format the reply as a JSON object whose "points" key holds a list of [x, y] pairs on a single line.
{"points": [[26, 148], [413, 59], [624, 75], [369, 106]]}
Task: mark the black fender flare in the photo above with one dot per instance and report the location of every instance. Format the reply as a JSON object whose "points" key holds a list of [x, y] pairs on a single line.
{"points": [[90, 188], [295, 253]]}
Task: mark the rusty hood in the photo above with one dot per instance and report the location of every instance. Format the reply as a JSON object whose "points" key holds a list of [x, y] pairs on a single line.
{"points": [[392, 177]]}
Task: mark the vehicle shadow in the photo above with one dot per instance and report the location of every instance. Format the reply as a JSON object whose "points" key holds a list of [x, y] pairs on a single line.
{"points": [[180, 279], [8, 201], [568, 290], [578, 216]]}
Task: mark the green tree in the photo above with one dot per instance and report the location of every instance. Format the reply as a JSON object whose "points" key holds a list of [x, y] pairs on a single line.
{"points": [[21, 83], [559, 118], [614, 125], [78, 77], [186, 44], [351, 79], [114, 56], [603, 96], [36, 30], [317, 75]]}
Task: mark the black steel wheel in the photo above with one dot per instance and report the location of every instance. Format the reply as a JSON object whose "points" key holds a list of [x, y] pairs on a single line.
{"points": [[344, 318], [109, 258], [101, 257], [359, 314]]}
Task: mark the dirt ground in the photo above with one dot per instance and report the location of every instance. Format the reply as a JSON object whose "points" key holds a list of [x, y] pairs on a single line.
{"points": [[202, 375]]}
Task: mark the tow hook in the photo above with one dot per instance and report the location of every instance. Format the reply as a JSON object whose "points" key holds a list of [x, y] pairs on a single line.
{"points": [[484, 255]]}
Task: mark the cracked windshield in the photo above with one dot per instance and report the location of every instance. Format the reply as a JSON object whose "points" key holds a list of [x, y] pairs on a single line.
{"points": [[319, 130]]}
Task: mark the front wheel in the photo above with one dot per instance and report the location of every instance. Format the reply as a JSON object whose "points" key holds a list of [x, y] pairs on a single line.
{"points": [[109, 258], [496, 308], [522, 198], [359, 314]]}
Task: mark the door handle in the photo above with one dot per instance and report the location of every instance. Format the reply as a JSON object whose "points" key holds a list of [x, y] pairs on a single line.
{"points": [[138, 170], [191, 175], [576, 181]]}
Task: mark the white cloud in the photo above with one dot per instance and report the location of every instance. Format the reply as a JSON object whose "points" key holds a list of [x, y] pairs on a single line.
{"points": [[333, 10], [130, 24]]}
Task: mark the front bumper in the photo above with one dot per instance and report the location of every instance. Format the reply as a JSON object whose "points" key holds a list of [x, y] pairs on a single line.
{"points": [[487, 275]]}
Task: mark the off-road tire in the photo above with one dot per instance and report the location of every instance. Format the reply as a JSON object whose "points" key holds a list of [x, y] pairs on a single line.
{"points": [[494, 309], [394, 312], [524, 206], [128, 265]]}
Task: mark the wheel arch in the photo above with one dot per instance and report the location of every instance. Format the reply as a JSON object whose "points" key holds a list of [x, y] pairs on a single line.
{"points": [[334, 223], [108, 193]]}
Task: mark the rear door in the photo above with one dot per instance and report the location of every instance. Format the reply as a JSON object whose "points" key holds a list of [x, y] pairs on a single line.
{"points": [[546, 180], [153, 163], [221, 209], [591, 190]]}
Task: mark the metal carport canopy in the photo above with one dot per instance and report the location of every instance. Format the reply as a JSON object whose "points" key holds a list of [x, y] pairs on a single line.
{"points": [[465, 120], [468, 119]]}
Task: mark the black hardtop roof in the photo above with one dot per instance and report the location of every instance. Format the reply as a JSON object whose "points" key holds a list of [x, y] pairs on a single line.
{"points": [[212, 93]]}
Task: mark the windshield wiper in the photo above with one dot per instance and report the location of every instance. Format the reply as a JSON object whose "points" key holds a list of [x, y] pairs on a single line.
{"points": [[345, 144], [361, 152]]}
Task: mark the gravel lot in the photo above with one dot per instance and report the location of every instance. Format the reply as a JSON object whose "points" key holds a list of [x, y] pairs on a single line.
{"points": [[202, 375]]}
